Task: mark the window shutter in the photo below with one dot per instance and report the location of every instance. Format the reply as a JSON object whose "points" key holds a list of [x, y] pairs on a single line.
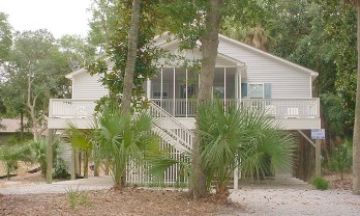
{"points": [[243, 90], [267, 90]]}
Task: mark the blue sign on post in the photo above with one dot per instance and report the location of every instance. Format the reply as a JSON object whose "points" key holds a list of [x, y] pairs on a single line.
{"points": [[318, 134]]}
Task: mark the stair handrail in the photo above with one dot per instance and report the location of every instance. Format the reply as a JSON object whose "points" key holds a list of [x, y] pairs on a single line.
{"points": [[163, 133], [163, 113]]}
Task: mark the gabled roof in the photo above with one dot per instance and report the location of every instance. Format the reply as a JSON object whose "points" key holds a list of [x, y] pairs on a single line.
{"points": [[166, 39], [77, 72], [276, 58]]}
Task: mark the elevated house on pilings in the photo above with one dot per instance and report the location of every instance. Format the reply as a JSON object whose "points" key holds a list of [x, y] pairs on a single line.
{"points": [[244, 76]]}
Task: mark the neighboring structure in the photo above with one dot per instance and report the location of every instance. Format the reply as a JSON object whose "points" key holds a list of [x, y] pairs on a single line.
{"points": [[10, 125], [244, 76]]}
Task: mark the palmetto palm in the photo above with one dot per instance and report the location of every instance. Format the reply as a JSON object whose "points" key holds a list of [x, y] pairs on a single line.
{"points": [[124, 138], [83, 140], [233, 137]]}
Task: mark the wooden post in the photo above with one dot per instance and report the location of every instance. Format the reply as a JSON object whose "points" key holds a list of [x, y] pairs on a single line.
{"points": [[73, 164], [317, 158], [49, 156]]}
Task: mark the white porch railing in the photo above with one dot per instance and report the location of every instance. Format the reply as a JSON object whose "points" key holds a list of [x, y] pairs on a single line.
{"points": [[71, 108], [286, 108], [277, 108]]}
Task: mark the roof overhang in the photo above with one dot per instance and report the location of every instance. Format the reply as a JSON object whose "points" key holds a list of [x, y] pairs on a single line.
{"points": [[167, 39]]}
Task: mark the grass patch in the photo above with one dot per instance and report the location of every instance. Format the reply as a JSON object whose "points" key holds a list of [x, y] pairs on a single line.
{"points": [[77, 198], [320, 183]]}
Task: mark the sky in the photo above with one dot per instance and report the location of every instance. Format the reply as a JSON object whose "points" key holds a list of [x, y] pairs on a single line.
{"points": [[60, 17]]}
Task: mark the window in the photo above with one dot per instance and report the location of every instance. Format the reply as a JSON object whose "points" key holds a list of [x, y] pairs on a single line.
{"points": [[256, 90]]}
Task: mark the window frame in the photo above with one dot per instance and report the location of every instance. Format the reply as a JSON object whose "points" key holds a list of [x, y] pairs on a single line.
{"points": [[255, 83]]}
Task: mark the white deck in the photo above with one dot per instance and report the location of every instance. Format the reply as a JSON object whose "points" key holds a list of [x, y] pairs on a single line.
{"points": [[290, 114]]}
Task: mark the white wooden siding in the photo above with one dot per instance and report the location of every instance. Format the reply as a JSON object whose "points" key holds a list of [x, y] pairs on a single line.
{"points": [[193, 55], [86, 86], [287, 81]]}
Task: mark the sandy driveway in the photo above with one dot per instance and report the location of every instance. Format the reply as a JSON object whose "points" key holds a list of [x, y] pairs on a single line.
{"points": [[92, 183], [287, 201], [292, 198]]}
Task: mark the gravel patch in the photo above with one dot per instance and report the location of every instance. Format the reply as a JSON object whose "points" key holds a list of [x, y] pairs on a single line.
{"points": [[287, 201]]}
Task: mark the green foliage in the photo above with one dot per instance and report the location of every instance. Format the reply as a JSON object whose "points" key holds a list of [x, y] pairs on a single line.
{"points": [[320, 183], [11, 154], [341, 158], [84, 141], [60, 171], [38, 55], [320, 35], [161, 160], [77, 198], [5, 38], [122, 138], [75, 50], [81, 139], [38, 153], [233, 137], [109, 32], [38, 149]]}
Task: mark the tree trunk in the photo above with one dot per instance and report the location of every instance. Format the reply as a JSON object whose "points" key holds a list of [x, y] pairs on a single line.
{"points": [[130, 64], [356, 139], [209, 46], [131, 57]]}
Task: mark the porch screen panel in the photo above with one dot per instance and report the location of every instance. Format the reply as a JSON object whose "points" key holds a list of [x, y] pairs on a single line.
{"points": [[168, 89], [218, 89], [180, 92], [230, 85], [156, 88]]}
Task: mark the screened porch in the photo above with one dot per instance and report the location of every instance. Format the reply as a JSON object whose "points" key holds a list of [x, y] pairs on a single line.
{"points": [[175, 89]]}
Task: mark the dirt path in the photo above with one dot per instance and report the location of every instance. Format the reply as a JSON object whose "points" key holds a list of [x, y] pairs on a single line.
{"points": [[92, 183]]}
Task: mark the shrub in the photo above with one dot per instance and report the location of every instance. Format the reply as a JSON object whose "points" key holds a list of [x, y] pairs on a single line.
{"points": [[60, 171], [11, 154], [38, 153], [320, 183]]}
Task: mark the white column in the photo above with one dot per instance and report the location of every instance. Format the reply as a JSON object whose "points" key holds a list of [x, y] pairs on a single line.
{"points": [[174, 91], [161, 86], [225, 86], [239, 70], [148, 89], [236, 178], [236, 85], [186, 93]]}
